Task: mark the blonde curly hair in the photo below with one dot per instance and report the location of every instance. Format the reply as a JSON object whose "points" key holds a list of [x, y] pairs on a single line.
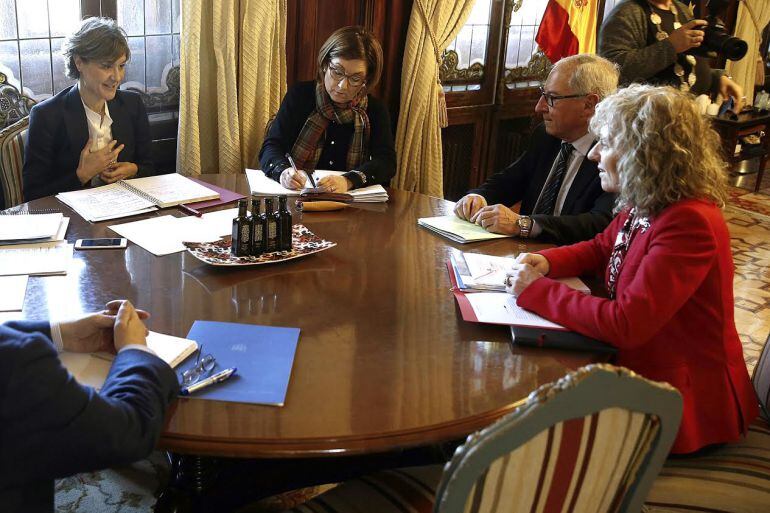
{"points": [[667, 149]]}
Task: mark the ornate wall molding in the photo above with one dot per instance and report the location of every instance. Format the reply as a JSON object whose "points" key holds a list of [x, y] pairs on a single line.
{"points": [[449, 71], [537, 68]]}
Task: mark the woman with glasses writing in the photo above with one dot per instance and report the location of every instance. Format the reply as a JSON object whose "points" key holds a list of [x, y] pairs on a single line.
{"points": [[332, 123]]}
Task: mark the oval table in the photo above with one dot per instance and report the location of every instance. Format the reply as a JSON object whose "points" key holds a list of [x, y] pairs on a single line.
{"points": [[384, 361]]}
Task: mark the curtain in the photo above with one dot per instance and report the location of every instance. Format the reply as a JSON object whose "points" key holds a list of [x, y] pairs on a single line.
{"points": [[418, 135], [233, 77], [753, 17]]}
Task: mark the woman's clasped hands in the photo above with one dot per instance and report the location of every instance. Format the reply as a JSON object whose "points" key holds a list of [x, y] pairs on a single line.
{"points": [[104, 162], [527, 268]]}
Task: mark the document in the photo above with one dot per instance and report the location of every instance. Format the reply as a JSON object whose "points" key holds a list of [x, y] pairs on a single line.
{"points": [[165, 234], [264, 186], [136, 196], [458, 230], [14, 289], [48, 258], [58, 235], [91, 369], [29, 227]]}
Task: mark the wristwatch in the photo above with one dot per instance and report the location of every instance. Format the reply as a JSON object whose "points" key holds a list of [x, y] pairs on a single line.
{"points": [[525, 226]]}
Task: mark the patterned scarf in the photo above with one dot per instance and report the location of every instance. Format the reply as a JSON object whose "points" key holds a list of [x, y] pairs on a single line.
{"points": [[307, 149], [631, 227]]}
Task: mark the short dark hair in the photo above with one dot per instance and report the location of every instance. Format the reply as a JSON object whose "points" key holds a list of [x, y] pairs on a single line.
{"points": [[354, 42], [97, 39]]}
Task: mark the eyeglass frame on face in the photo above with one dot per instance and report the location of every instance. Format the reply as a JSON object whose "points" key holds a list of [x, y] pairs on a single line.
{"points": [[550, 98], [202, 366], [339, 75]]}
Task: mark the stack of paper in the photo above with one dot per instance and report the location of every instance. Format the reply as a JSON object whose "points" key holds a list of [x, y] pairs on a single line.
{"points": [[264, 186], [28, 228], [456, 229], [165, 234], [38, 259], [91, 369]]}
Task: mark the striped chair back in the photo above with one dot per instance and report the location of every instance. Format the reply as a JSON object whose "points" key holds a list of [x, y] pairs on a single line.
{"points": [[761, 380], [12, 142], [591, 442]]}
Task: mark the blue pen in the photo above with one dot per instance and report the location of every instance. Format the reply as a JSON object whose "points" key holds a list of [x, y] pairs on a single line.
{"points": [[309, 175], [211, 380]]}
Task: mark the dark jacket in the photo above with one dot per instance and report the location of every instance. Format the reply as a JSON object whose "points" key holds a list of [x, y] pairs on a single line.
{"points": [[51, 426], [296, 106], [58, 131], [587, 209]]}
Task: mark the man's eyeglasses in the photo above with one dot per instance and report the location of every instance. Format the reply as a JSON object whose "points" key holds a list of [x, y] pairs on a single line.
{"points": [[551, 98], [339, 74], [202, 366]]}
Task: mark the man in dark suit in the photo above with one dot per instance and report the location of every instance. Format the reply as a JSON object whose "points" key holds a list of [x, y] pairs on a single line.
{"points": [[561, 197], [51, 426]]}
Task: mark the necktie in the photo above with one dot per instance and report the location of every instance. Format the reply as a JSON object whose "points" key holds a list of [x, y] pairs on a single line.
{"points": [[547, 201]]}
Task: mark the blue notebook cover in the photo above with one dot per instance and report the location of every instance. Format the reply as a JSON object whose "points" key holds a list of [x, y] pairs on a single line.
{"points": [[263, 355]]}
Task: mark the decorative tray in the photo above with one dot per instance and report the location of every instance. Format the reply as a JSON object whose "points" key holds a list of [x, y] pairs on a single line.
{"points": [[304, 242]]}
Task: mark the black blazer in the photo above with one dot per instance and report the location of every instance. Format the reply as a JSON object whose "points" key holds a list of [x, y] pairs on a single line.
{"points": [[587, 208], [51, 426], [58, 131], [296, 106]]}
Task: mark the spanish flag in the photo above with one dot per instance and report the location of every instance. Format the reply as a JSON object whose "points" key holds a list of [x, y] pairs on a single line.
{"points": [[568, 28]]}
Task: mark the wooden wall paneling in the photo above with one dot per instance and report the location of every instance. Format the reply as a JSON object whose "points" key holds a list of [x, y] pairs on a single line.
{"points": [[463, 144]]}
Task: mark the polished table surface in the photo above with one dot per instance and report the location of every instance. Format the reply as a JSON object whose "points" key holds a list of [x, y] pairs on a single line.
{"points": [[384, 359]]}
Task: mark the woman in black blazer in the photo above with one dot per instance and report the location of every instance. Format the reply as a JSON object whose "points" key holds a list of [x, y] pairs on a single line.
{"points": [[332, 123], [91, 133]]}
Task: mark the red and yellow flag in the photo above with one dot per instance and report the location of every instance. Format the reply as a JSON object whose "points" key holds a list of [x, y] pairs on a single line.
{"points": [[568, 27]]}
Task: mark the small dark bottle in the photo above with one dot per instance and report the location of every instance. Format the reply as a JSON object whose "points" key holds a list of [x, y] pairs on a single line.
{"points": [[270, 227], [241, 243], [255, 224], [284, 224]]}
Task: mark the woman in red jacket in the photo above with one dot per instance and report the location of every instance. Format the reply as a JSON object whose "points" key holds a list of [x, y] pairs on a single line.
{"points": [[666, 262]]}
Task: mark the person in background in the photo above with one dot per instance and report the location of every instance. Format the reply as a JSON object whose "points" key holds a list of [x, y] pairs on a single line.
{"points": [[91, 133], [561, 198], [650, 41], [51, 426], [665, 259], [333, 123]]}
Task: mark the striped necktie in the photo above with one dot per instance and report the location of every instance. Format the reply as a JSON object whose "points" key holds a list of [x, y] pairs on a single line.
{"points": [[550, 192]]}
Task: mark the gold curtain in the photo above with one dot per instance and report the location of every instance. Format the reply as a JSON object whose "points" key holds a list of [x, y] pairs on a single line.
{"points": [[753, 17], [233, 77], [418, 136]]}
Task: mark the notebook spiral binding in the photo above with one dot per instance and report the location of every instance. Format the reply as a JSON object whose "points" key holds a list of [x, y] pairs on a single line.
{"points": [[22, 211]]}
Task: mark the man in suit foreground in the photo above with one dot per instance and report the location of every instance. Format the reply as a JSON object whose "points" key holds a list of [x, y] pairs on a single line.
{"points": [[561, 197], [51, 426]]}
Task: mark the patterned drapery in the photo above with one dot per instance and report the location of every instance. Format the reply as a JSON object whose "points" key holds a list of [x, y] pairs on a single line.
{"points": [[753, 17]]}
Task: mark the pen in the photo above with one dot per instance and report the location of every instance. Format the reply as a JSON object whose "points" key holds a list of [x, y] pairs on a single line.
{"points": [[309, 175], [190, 210], [211, 380]]}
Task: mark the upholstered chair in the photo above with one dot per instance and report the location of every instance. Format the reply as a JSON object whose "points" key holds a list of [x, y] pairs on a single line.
{"points": [[592, 442], [733, 478], [13, 104], [12, 141]]}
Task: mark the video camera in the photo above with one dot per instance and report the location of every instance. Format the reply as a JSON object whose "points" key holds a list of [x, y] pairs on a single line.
{"points": [[717, 41]]}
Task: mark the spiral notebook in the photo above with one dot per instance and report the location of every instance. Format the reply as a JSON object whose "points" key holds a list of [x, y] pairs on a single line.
{"points": [[135, 196]]}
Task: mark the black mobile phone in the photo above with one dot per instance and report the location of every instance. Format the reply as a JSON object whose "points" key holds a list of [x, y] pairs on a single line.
{"points": [[107, 243]]}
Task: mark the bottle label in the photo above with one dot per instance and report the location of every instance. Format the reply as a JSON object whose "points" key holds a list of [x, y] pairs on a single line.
{"points": [[272, 239]]}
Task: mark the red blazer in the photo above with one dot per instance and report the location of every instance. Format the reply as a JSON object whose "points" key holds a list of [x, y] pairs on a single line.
{"points": [[672, 319]]}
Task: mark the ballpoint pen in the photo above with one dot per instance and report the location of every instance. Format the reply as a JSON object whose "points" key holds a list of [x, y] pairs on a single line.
{"points": [[309, 175], [189, 210], [211, 380]]}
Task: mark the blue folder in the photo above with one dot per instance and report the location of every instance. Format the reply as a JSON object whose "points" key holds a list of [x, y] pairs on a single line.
{"points": [[263, 355]]}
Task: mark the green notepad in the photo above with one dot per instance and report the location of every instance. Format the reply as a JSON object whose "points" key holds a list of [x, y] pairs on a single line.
{"points": [[458, 230]]}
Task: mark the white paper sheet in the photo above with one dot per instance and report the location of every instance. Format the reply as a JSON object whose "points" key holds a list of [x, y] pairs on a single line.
{"points": [[29, 227], [501, 308], [36, 259], [14, 289]]}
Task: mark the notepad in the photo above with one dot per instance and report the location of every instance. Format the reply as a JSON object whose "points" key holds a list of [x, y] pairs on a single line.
{"points": [[91, 369], [264, 186], [29, 227], [456, 229], [135, 196], [48, 258]]}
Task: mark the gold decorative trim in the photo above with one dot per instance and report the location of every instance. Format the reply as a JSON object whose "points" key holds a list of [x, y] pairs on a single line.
{"points": [[537, 68], [449, 72]]}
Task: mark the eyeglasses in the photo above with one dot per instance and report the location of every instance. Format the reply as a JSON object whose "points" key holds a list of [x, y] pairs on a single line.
{"points": [[202, 366], [550, 98], [338, 75]]}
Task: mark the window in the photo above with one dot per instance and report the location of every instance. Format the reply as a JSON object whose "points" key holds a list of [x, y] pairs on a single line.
{"points": [[525, 63], [32, 31], [464, 59]]}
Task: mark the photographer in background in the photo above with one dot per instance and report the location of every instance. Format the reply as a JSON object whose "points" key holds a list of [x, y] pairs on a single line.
{"points": [[659, 42]]}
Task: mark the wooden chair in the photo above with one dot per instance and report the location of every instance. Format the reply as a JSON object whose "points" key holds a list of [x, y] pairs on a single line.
{"points": [[13, 104], [734, 478], [591, 442], [12, 142]]}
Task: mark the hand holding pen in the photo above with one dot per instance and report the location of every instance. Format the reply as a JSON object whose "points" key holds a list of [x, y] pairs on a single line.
{"points": [[293, 178]]}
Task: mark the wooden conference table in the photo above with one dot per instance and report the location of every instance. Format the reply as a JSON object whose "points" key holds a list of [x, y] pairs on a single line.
{"points": [[384, 360]]}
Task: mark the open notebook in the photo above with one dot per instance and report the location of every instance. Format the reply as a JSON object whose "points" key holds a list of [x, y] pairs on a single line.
{"points": [[91, 369], [135, 196], [264, 186], [456, 229]]}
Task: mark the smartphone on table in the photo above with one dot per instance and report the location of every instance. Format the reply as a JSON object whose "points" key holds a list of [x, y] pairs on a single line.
{"points": [[106, 243]]}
